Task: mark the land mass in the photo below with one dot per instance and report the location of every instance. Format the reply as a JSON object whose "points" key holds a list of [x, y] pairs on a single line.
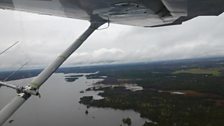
{"points": [[174, 94]]}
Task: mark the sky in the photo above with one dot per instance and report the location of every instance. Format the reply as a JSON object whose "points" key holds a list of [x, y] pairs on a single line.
{"points": [[42, 38]]}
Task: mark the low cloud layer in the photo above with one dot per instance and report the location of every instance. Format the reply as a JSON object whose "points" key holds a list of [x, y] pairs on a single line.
{"points": [[42, 38]]}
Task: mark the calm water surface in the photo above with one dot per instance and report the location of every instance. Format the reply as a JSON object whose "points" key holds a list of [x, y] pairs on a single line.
{"points": [[59, 106]]}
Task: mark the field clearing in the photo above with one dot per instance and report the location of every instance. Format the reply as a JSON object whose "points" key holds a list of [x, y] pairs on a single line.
{"points": [[212, 71]]}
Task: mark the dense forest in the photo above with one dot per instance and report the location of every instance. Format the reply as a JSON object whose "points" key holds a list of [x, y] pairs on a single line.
{"points": [[201, 101]]}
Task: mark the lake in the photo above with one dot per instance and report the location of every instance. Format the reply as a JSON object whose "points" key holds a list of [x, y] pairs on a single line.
{"points": [[59, 105]]}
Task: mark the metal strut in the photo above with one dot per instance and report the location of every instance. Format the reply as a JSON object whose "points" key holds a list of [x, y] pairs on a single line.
{"points": [[20, 89], [33, 87]]}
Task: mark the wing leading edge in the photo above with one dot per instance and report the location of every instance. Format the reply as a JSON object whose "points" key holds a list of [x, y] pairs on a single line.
{"points": [[148, 13]]}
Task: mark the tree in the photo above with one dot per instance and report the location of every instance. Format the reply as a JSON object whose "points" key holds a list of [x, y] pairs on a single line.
{"points": [[127, 121]]}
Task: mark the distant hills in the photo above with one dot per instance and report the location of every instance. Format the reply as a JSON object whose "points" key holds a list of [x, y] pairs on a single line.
{"points": [[181, 64]]}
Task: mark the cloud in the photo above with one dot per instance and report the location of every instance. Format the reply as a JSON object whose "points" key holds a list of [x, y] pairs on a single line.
{"points": [[103, 55], [44, 37]]}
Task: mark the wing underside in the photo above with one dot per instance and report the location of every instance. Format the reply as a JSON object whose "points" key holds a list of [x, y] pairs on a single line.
{"points": [[129, 12]]}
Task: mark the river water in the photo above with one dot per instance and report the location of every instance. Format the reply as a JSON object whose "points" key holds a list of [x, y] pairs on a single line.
{"points": [[59, 106]]}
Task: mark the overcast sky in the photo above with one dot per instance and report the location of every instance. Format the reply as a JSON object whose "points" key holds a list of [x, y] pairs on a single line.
{"points": [[42, 38]]}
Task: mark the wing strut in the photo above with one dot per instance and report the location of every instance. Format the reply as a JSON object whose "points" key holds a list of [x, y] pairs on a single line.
{"points": [[33, 87]]}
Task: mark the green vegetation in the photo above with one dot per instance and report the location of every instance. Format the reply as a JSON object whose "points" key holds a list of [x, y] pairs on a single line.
{"points": [[149, 124], [73, 76], [86, 99], [71, 79], [163, 108], [86, 112], [127, 121], [201, 105], [212, 71]]}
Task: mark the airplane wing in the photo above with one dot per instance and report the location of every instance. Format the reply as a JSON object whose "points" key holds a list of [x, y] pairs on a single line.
{"points": [[147, 13]]}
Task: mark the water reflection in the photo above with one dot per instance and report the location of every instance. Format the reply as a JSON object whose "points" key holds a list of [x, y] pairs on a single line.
{"points": [[59, 106]]}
